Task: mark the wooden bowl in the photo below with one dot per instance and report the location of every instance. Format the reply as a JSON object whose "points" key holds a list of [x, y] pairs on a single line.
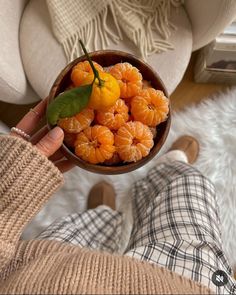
{"points": [[107, 58]]}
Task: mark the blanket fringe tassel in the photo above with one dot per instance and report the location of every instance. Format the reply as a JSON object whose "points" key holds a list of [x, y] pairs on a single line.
{"points": [[97, 34]]}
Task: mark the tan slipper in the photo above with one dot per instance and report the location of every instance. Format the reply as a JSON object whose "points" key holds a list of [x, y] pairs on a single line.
{"points": [[189, 145], [102, 193]]}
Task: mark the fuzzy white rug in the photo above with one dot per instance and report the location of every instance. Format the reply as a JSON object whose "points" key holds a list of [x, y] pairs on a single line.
{"points": [[213, 123]]}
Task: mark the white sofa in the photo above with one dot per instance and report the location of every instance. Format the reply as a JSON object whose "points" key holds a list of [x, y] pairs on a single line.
{"points": [[31, 58]]}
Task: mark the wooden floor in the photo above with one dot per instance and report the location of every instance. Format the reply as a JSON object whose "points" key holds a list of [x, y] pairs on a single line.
{"points": [[187, 92]]}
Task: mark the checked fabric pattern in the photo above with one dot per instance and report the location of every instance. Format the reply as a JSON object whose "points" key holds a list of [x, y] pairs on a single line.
{"points": [[176, 225], [97, 229]]}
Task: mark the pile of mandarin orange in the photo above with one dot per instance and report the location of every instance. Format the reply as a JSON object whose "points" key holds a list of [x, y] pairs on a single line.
{"points": [[124, 132]]}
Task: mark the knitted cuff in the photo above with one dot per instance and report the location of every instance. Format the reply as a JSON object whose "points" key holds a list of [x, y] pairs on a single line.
{"points": [[28, 179]]}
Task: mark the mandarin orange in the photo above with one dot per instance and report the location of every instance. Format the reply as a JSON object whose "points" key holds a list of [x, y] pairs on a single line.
{"points": [[150, 106], [114, 117], [78, 122], [95, 144], [82, 70], [133, 141], [129, 79], [105, 95]]}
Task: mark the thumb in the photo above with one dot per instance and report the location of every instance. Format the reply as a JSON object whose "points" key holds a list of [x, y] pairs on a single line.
{"points": [[51, 142]]}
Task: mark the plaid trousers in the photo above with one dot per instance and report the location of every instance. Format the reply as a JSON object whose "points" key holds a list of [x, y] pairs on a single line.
{"points": [[176, 225]]}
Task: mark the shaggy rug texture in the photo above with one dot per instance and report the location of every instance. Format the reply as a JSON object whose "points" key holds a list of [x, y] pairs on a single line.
{"points": [[213, 123]]}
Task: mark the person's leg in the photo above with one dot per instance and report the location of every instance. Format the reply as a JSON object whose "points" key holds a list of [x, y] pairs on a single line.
{"points": [[176, 222], [97, 228]]}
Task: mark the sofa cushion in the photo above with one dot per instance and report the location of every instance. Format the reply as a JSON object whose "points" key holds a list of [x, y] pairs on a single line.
{"points": [[14, 87], [209, 19], [43, 57]]}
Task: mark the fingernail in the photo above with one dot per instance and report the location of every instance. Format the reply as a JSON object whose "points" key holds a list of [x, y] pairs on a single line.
{"points": [[56, 133]]}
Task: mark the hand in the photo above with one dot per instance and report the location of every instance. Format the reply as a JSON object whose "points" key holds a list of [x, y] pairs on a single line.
{"points": [[47, 142]]}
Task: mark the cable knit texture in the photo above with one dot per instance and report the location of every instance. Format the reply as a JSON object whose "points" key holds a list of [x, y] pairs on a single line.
{"points": [[45, 267]]}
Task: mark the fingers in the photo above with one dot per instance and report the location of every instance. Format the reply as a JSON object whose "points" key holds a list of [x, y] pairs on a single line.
{"points": [[48, 143], [58, 155], [39, 135], [64, 165], [29, 122], [51, 142]]}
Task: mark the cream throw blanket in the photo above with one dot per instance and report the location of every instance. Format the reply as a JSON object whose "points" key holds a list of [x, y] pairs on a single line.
{"points": [[88, 20]]}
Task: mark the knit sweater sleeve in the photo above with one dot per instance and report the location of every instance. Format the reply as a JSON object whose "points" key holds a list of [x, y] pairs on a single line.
{"points": [[27, 180]]}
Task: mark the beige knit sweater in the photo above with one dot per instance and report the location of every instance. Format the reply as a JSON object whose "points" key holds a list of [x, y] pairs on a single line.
{"points": [[28, 180]]}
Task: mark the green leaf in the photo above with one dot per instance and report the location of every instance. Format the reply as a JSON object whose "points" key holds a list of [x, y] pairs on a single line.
{"points": [[69, 103]]}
